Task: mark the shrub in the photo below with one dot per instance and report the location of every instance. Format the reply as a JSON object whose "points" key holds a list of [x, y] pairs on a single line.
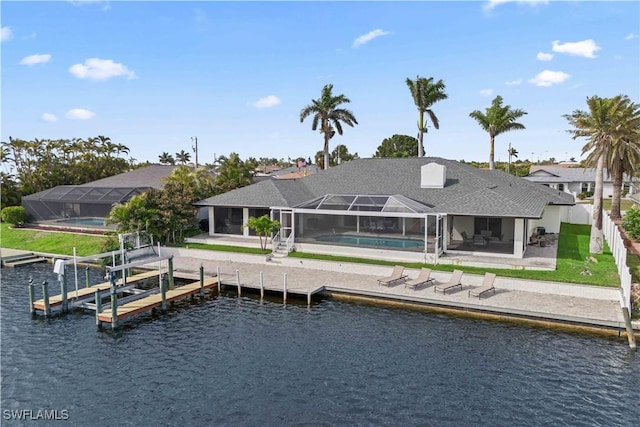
{"points": [[14, 215], [631, 222], [582, 196]]}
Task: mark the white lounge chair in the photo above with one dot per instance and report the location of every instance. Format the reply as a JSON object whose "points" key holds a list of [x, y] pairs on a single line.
{"points": [[454, 281], [487, 285], [423, 278], [396, 276]]}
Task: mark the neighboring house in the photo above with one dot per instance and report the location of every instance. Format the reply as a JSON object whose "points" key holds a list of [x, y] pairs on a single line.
{"points": [[94, 199], [420, 206], [578, 180], [291, 172]]}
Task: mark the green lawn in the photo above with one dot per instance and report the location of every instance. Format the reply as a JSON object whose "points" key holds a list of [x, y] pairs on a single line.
{"points": [[625, 204], [573, 249], [50, 242]]}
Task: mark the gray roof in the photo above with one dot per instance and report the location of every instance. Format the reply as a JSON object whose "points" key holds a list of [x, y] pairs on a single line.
{"points": [[149, 176], [468, 190], [559, 174]]}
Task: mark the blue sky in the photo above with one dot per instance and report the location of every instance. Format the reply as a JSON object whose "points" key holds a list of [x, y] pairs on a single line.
{"points": [[151, 75]]}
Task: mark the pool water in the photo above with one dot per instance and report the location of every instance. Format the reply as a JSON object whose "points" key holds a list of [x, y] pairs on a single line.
{"points": [[385, 242], [92, 222]]}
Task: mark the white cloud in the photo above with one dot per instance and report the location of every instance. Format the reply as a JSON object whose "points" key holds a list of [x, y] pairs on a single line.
{"points": [[48, 117], [100, 69], [486, 92], [492, 4], [585, 48], [513, 82], [549, 78], [5, 34], [631, 36], [79, 114], [35, 59], [543, 56], [267, 102], [365, 38]]}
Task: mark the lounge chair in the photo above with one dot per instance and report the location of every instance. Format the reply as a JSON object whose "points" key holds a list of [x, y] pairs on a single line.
{"points": [[423, 278], [466, 238], [454, 281], [487, 285], [397, 276]]}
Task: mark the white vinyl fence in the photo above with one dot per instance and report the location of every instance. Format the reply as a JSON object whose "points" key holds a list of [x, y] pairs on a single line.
{"points": [[614, 239], [580, 213]]}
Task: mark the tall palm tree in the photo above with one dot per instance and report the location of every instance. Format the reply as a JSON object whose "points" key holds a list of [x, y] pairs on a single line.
{"points": [[612, 129], [166, 159], [497, 119], [183, 157], [328, 117], [425, 93]]}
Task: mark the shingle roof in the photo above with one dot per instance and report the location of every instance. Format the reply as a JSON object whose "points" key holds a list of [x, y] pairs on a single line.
{"points": [[549, 174], [148, 176], [468, 190]]}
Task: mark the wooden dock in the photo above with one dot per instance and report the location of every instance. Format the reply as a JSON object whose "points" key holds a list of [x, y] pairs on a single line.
{"points": [[20, 260], [87, 293], [154, 301]]}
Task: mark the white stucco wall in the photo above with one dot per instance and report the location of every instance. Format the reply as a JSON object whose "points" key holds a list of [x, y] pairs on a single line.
{"points": [[551, 218]]}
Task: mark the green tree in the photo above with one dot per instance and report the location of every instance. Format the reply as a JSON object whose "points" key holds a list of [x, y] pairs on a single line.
{"points": [[14, 215], [341, 154], [425, 93], [183, 157], [512, 152], [496, 120], [9, 192], [166, 159], [233, 173], [263, 227], [398, 146], [328, 117]]}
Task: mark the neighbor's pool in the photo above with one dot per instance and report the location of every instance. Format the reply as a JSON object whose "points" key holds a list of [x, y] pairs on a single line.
{"points": [[385, 242], [91, 222]]}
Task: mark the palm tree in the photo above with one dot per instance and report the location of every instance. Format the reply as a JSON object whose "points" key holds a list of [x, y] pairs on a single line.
{"points": [[183, 157], [512, 153], [425, 93], [497, 119], [328, 116], [612, 129], [166, 159]]}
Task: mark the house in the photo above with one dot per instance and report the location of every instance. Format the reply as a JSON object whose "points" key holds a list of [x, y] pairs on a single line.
{"points": [[578, 180], [94, 199], [422, 207]]}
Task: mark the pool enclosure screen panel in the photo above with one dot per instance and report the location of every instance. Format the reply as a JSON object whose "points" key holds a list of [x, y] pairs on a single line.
{"points": [[368, 231], [69, 201]]}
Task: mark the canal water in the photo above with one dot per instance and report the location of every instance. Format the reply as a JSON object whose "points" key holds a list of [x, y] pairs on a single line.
{"points": [[230, 361]]}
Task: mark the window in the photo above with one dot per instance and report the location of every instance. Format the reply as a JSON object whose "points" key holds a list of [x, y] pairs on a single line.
{"points": [[584, 187], [561, 187]]}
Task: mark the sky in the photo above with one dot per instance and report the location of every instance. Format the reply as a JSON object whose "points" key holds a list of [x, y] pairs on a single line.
{"points": [[155, 75]]}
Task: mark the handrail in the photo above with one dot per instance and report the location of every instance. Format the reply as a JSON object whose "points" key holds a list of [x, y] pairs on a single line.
{"points": [[290, 242], [275, 241]]}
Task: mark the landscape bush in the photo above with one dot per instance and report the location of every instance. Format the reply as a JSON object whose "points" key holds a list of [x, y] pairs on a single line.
{"points": [[14, 215], [631, 222]]}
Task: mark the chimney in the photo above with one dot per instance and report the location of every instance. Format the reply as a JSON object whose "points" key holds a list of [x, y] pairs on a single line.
{"points": [[433, 175]]}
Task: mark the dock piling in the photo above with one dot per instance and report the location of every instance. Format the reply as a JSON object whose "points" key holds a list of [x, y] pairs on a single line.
{"points": [[218, 277], [170, 262], [114, 301], [32, 310], [238, 282], [63, 290], [261, 287], [98, 300], [284, 293], [163, 291], [201, 281], [45, 297], [630, 336], [86, 277]]}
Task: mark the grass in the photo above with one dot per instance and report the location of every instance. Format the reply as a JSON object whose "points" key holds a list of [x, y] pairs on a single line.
{"points": [[573, 250], [49, 241], [625, 204]]}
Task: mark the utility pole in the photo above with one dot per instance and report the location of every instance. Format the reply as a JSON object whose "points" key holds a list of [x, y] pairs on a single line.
{"points": [[195, 148]]}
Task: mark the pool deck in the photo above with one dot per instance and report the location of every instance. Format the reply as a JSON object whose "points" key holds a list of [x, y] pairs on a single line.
{"points": [[583, 305]]}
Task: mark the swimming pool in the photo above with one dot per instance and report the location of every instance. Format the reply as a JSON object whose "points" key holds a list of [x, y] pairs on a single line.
{"points": [[86, 221], [384, 242]]}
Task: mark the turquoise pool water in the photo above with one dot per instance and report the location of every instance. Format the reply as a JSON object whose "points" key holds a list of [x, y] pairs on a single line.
{"points": [[91, 222], [385, 242]]}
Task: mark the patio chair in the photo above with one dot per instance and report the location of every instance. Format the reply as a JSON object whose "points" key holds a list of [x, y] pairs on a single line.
{"points": [[396, 276], [487, 285], [466, 238], [423, 278], [454, 281]]}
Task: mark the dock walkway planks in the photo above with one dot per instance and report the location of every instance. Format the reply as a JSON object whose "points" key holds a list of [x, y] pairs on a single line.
{"points": [[83, 293], [154, 301]]}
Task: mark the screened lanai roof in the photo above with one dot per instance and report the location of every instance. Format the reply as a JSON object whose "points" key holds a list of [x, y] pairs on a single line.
{"points": [[365, 203], [78, 194]]}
